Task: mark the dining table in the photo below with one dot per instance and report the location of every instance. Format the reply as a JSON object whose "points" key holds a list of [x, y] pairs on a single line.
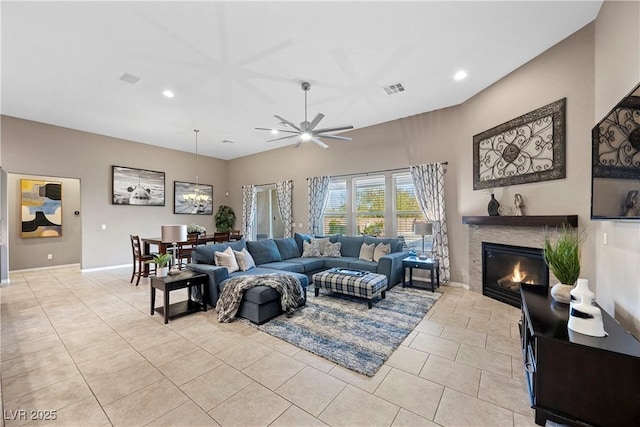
{"points": [[148, 242]]}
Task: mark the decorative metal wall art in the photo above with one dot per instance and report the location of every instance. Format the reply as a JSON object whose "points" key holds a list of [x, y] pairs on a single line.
{"points": [[41, 208], [616, 140], [530, 148], [137, 187], [193, 199]]}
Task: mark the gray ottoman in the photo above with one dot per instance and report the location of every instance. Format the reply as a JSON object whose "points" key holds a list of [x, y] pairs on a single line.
{"points": [[363, 284]]}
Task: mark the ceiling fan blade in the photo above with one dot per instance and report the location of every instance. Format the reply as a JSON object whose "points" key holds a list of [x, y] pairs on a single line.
{"points": [[341, 138], [320, 143], [315, 121], [284, 137], [279, 130], [334, 129], [287, 122]]}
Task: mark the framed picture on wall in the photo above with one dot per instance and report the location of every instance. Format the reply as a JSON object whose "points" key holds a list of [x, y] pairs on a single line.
{"points": [[137, 187], [192, 199], [41, 203]]}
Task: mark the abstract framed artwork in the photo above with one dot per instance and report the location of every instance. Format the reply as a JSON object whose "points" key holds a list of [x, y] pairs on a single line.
{"points": [[529, 148], [137, 187], [41, 203], [192, 199]]}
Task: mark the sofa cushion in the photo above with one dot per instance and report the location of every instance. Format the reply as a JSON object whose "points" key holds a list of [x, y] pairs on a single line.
{"points": [[338, 262], [203, 254], [309, 264], [361, 264], [264, 251], [366, 251], [288, 248], [350, 245], [226, 259], [245, 260], [396, 244], [332, 250], [311, 249], [381, 250], [284, 266], [299, 238]]}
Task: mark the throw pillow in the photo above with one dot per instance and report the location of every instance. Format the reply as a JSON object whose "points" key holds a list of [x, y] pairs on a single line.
{"points": [[244, 259], [226, 259], [366, 251], [310, 249], [332, 250], [322, 243], [380, 251]]}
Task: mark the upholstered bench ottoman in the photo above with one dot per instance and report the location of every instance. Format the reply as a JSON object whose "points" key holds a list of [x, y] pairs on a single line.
{"points": [[363, 284]]}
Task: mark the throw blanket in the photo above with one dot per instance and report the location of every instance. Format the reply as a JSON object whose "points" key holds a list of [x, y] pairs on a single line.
{"points": [[229, 302]]}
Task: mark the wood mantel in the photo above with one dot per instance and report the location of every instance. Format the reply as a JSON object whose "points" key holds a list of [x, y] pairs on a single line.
{"points": [[523, 221]]}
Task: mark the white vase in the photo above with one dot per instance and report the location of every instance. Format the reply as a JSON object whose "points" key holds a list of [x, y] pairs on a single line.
{"points": [[561, 292], [162, 271], [586, 318], [582, 288]]}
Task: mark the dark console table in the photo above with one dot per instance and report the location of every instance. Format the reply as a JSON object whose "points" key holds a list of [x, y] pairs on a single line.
{"points": [[186, 279], [574, 378]]}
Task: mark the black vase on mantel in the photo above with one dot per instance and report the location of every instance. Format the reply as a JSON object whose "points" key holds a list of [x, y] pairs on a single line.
{"points": [[493, 206]]}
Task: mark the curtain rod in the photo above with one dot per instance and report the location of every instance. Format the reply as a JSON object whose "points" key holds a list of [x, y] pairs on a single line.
{"points": [[374, 172]]}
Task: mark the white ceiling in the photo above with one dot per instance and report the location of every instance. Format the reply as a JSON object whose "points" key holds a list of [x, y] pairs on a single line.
{"points": [[233, 65]]}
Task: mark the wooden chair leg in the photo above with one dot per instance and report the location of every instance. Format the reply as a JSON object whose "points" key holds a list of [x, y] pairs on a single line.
{"points": [[139, 271]]}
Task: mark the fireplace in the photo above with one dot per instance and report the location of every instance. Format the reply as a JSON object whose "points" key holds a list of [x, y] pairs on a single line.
{"points": [[504, 267]]}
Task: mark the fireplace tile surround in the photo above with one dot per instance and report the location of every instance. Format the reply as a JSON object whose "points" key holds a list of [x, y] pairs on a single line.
{"points": [[515, 231]]}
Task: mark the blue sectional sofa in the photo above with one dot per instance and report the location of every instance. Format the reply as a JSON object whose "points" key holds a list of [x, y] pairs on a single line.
{"points": [[260, 304]]}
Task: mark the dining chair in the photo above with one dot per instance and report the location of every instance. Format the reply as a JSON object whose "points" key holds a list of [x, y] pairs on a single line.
{"points": [[138, 259], [221, 237], [185, 250], [234, 235]]}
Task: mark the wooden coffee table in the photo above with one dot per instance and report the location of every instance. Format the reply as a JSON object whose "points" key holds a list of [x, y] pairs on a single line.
{"points": [[186, 279]]}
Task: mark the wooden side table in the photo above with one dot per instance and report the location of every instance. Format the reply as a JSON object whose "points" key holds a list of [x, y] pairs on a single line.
{"points": [[431, 264], [186, 279]]}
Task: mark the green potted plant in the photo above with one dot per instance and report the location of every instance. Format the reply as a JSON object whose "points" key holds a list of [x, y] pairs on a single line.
{"points": [[225, 219], [563, 258], [162, 262]]}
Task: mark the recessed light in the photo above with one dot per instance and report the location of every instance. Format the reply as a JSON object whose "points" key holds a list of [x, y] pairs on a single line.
{"points": [[274, 131], [168, 94], [460, 75], [226, 141]]}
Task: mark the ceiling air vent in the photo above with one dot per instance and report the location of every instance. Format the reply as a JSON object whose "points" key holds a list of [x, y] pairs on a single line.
{"points": [[129, 78], [396, 88], [226, 141]]}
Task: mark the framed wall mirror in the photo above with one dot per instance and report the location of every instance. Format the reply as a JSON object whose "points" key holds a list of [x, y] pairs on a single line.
{"points": [[615, 173]]}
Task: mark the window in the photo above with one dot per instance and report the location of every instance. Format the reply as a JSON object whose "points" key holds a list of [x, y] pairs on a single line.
{"points": [[406, 211], [370, 205], [335, 214]]}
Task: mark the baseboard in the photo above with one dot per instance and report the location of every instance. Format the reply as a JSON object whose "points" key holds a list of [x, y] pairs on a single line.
{"points": [[51, 267], [109, 267]]}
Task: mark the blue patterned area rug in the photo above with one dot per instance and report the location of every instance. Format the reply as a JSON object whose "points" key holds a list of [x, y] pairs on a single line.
{"points": [[342, 329]]}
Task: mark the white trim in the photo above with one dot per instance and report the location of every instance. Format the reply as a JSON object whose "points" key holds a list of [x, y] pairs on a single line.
{"points": [[109, 267]]}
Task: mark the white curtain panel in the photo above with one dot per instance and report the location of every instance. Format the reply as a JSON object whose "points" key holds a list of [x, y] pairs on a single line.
{"points": [[428, 180], [284, 192], [249, 205], [318, 198]]}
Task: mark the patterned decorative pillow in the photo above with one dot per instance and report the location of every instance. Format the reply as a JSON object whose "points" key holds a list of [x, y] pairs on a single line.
{"points": [[322, 243], [244, 259], [366, 251], [226, 259], [380, 251], [310, 249], [332, 250]]}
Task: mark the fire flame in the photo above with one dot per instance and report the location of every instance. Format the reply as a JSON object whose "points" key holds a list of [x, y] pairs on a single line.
{"points": [[517, 275]]}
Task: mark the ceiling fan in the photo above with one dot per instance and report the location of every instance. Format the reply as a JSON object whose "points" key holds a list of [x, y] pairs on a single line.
{"points": [[307, 130]]}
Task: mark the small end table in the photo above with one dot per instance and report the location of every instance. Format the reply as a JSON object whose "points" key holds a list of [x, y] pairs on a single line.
{"points": [[431, 264], [186, 279]]}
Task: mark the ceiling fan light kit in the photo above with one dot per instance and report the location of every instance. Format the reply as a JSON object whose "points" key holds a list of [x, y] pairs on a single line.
{"points": [[307, 130]]}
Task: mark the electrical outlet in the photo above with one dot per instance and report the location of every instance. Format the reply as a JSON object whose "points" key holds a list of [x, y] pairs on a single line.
{"points": [[49, 256], [604, 239], [104, 226]]}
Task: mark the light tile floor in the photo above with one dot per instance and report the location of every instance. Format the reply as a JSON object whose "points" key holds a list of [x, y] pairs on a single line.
{"points": [[85, 346]]}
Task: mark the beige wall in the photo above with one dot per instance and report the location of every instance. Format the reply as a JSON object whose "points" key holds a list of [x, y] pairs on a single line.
{"points": [[41, 149], [566, 70], [617, 71]]}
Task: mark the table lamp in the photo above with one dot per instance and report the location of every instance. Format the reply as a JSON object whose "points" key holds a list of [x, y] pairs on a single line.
{"points": [[173, 234], [423, 228]]}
